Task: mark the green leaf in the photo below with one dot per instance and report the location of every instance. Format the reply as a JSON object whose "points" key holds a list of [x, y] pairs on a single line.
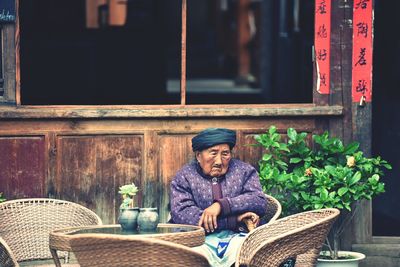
{"points": [[388, 166], [267, 157], [295, 195], [292, 133], [272, 129], [318, 206], [304, 195], [342, 191], [295, 160], [281, 163], [375, 177], [324, 193], [351, 148], [355, 178]]}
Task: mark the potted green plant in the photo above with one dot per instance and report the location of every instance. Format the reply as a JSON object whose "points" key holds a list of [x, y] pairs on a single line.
{"points": [[2, 199], [128, 213], [306, 173]]}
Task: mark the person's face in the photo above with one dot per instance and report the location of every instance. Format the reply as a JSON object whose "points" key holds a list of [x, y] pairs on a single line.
{"points": [[214, 160]]}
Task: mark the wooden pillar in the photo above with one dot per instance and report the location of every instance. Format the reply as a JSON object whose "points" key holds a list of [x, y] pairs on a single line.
{"points": [[355, 125], [9, 46], [361, 102]]}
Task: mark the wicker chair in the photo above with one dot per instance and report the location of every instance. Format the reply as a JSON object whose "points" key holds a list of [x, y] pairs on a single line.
{"points": [[122, 251], [300, 235], [274, 209], [25, 225]]}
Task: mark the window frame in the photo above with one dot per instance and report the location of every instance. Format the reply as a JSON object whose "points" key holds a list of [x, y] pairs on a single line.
{"points": [[319, 107]]}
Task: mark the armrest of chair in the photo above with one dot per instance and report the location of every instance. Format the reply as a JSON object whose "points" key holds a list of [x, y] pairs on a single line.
{"points": [[7, 258], [261, 233]]}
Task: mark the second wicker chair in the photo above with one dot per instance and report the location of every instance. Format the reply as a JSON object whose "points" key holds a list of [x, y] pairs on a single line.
{"points": [[298, 236]]}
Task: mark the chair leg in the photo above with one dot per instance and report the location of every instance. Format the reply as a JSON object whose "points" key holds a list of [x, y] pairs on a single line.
{"points": [[55, 257]]}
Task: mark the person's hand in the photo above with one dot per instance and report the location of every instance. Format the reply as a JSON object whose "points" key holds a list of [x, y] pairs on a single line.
{"points": [[249, 217], [209, 217]]}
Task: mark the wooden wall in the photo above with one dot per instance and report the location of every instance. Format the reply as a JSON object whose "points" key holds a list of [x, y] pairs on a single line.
{"points": [[85, 161]]}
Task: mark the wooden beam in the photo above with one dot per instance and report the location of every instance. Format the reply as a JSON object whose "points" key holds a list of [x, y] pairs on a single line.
{"points": [[50, 112]]}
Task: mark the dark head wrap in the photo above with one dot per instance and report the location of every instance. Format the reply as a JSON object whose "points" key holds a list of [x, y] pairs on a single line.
{"points": [[213, 136]]}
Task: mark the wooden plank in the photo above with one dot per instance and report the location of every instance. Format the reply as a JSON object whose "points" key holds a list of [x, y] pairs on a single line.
{"points": [[151, 181], [175, 152], [22, 166], [251, 154], [90, 170], [362, 132], [16, 89], [163, 126], [183, 51], [341, 67], [39, 112], [9, 59]]}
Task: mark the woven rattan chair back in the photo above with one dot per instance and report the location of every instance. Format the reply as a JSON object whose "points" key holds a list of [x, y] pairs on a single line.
{"points": [[274, 209], [300, 235], [25, 224], [7, 258], [121, 251]]}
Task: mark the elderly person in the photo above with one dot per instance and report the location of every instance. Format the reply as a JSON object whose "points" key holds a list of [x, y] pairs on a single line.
{"points": [[218, 193]]}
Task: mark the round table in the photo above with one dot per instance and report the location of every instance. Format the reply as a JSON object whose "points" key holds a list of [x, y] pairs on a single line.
{"points": [[188, 235]]}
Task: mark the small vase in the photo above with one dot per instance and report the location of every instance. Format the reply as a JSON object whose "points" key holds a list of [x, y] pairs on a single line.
{"points": [[148, 219], [128, 218]]}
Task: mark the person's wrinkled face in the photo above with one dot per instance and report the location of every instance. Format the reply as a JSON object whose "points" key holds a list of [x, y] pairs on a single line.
{"points": [[214, 160]]}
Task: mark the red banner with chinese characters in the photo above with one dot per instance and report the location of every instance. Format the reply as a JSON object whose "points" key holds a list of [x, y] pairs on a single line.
{"points": [[362, 51], [322, 44]]}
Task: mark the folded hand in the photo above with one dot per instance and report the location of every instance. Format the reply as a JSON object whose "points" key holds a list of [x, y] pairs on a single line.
{"points": [[209, 217], [250, 219]]}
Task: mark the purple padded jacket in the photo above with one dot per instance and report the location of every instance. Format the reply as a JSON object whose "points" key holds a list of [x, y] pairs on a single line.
{"points": [[192, 192]]}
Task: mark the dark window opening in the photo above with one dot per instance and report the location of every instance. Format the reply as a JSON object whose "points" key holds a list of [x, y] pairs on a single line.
{"points": [[128, 52], [63, 61]]}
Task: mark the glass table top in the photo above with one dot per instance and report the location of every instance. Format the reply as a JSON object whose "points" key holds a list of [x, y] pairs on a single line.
{"points": [[117, 230]]}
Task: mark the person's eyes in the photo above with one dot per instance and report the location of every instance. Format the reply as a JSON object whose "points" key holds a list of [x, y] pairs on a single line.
{"points": [[226, 154]]}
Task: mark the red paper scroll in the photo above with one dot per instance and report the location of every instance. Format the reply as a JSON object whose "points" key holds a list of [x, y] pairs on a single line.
{"points": [[322, 44], [362, 51]]}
